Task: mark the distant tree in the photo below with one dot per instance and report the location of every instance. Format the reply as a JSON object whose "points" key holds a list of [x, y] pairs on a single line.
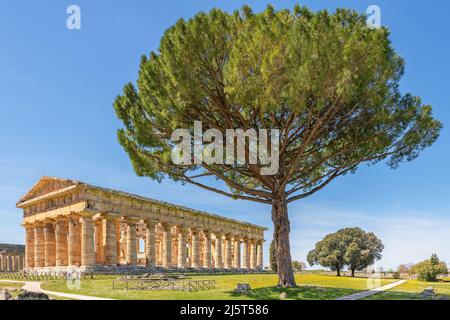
{"points": [[329, 252], [434, 260], [429, 270], [405, 268], [326, 81], [298, 265], [362, 248], [273, 256], [350, 247]]}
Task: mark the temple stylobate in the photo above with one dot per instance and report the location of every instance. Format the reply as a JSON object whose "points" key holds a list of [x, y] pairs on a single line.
{"points": [[74, 224]]}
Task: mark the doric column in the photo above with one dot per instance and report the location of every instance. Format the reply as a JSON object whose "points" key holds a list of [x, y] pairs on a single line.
{"points": [[13, 262], [259, 255], [20, 263], [3, 262], [39, 246], [159, 250], [181, 247], [118, 237], [175, 249], [207, 250], [73, 242], [218, 252], [50, 245], [61, 242], [131, 256], [228, 252], [167, 246], [245, 255], [10, 263], [150, 250], [87, 241], [29, 246], [6, 262], [98, 245], [237, 253], [109, 240], [195, 249], [252, 254]]}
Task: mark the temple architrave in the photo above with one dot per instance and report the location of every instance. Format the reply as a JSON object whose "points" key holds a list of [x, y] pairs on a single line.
{"points": [[70, 224]]}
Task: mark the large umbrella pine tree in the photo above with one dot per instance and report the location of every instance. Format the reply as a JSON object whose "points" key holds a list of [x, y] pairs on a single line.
{"points": [[328, 82]]}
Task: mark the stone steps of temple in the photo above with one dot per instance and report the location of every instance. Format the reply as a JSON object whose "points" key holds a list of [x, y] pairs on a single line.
{"points": [[130, 270]]}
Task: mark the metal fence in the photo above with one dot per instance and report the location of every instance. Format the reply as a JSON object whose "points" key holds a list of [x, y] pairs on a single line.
{"points": [[163, 284]]}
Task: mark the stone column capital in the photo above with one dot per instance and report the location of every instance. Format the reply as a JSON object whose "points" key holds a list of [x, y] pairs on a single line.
{"points": [[87, 214], [61, 219], [38, 225], [73, 217], [150, 222], [237, 237], [166, 225], [49, 222], [181, 228], [107, 215], [131, 220], [207, 233]]}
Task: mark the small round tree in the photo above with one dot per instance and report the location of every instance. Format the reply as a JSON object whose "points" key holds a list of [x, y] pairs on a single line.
{"points": [[298, 266], [352, 247], [327, 82], [329, 252]]}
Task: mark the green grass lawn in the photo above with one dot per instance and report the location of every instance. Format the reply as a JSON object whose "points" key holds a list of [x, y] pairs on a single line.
{"points": [[411, 290], [311, 287], [12, 287]]}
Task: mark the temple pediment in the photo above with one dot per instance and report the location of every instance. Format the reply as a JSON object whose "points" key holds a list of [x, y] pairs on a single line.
{"points": [[47, 185]]}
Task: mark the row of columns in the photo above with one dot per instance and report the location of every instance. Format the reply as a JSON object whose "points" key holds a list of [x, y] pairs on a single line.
{"points": [[11, 262], [84, 241]]}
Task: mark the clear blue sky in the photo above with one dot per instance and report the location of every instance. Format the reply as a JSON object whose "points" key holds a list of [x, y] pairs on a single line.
{"points": [[57, 87]]}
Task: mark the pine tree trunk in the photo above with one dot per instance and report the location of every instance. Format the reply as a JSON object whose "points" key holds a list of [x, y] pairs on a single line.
{"points": [[281, 240], [353, 272], [338, 271]]}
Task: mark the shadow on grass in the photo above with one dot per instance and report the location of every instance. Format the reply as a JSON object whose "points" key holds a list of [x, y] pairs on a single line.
{"points": [[399, 295], [298, 293]]}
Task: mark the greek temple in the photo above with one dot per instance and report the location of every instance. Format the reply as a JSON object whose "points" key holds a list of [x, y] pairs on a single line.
{"points": [[11, 257], [71, 224]]}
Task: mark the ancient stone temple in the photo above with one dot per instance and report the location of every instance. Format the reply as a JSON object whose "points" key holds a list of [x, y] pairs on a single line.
{"points": [[11, 257], [70, 224]]}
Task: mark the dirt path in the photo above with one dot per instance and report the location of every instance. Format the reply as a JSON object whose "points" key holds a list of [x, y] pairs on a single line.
{"points": [[364, 294], [36, 287]]}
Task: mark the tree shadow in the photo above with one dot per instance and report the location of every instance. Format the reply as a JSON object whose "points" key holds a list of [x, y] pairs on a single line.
{"points": [[399, 295], [298, 293]]}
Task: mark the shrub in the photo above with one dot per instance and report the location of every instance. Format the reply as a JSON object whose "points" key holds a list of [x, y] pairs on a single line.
{"points": [[429, 270]]}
